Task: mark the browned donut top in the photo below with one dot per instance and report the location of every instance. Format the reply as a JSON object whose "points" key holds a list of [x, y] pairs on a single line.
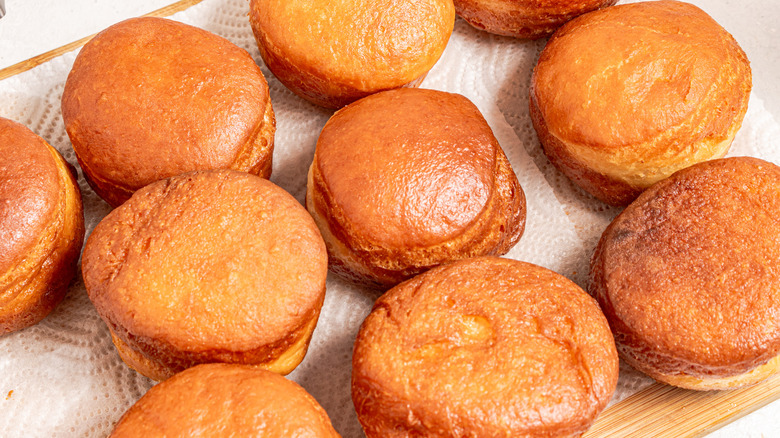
{"points": [[485, 346], [638, 74], [150, 98], [690, 269], [219, 400], [524, 18], [29, 191], [408, 167], [207, 260], [366, 44]]}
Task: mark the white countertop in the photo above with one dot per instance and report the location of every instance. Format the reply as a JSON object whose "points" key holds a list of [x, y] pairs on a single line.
{"points": [[34, 27]]}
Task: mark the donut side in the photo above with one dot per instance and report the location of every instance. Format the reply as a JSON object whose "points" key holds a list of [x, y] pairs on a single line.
{"points": [[35, 283]]}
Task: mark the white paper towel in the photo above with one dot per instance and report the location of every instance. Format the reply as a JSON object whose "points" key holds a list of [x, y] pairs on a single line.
{"points": [[63, 378]]}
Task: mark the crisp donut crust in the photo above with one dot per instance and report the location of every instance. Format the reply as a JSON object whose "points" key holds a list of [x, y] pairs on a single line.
{"points": [[687, 275], [221, 400], [483, 347], [336, 52], [625, 96], [407, 179], [209, 266], [524, 18], [41, 227], [149, 98]]}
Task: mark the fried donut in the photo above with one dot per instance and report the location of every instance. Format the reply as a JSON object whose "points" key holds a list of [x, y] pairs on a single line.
{"points": [[41, 227], [208, 266], [483, 347], [687, 276], [407, 179], [336, 52], [149, 98], [230, 400], [625, 96]]}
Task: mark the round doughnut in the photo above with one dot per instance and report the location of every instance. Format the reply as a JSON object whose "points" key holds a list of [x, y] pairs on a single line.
{"points": [[226, 400], [333, 53], [483, 347], [524, 18], [407, 179], [41, 227], [687, 276], [208, 266], [149, 98], [625, 96]]}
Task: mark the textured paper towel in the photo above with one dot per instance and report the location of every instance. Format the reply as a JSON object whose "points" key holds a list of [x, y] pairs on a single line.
{"points": [[63, 378]]}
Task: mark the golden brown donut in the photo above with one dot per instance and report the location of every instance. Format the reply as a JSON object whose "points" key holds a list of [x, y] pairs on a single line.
{"points": [[41, 227], [333, 53], [483, 347], [150, 98], [625, 96], [222, 400], [208, 266], [687, 276], [524, 18], [407, 179]]}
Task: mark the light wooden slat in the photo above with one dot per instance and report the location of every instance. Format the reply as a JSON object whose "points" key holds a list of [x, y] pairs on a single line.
{"points": [[665, 411], [48, 56]]}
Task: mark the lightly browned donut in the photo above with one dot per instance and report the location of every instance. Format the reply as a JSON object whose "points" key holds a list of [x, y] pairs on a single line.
{"points": [[41, 227]]}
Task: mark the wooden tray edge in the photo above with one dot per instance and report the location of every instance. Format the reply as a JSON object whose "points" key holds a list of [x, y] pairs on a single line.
{"points": [[35, 61], [665, 411]]}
